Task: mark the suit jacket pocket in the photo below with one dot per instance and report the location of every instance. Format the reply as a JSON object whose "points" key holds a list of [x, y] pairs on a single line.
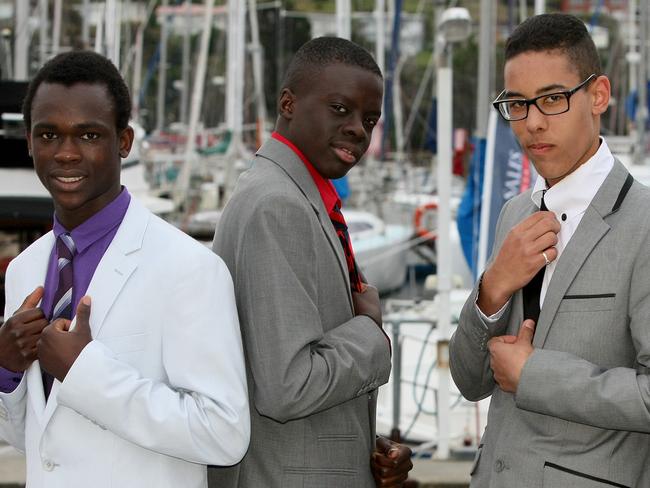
{"points": [[556, 476], [298, 477], [573, 302]]}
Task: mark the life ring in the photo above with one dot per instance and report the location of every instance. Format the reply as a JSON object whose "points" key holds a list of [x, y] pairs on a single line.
{"points": [[417, 221]]}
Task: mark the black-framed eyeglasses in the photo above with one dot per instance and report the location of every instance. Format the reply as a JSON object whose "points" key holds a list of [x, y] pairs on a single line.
{"points": [[555, 103]]}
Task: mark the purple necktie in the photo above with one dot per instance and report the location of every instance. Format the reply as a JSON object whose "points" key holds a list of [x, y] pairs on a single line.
{"points": [[62, 309]]}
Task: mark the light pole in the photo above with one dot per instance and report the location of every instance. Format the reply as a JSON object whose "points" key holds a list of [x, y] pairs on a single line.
{"points": [[454, 26]]}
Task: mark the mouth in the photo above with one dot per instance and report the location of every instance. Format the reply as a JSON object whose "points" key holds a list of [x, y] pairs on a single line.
{"points": [[346, 155], [67, 183], [540, 147]]}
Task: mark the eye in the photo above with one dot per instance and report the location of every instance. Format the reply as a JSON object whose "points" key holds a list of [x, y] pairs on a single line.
{"points": [[90, 136], [553, 99], [48, 136], [517, 105], [337, 107], [371, 122]]}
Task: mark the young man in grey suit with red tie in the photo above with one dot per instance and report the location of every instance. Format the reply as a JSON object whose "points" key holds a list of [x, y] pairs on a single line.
{"points": [[312, 330], [556, 330]]}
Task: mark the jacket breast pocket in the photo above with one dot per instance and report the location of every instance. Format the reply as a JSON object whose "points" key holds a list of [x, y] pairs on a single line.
{"points": [[587, 303], [556, 476]]}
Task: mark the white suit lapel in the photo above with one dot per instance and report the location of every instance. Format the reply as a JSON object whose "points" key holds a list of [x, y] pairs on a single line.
{"points": [[39, 257]]}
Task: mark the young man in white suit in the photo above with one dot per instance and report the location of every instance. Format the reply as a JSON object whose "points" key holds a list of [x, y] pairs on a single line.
{"points": [[145, 386], [570, 387]]}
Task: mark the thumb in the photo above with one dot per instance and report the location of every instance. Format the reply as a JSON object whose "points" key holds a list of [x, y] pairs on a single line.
{"points": [[526, 331], [383, 445], [83, 315], [32, 299]]}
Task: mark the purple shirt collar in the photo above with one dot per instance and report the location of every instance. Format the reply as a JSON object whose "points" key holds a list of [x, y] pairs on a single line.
{"points": [[98, 225]]}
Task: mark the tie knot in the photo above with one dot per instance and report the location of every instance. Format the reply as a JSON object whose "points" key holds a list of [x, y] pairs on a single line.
{"points": [[65, 247], [542, 205]]}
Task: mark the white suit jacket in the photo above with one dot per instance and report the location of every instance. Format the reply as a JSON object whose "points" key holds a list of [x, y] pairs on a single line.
{"points": [[160, 391]]}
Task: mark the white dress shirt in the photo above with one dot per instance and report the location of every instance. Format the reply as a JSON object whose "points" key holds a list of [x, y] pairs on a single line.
{"points": [[568, 199]]}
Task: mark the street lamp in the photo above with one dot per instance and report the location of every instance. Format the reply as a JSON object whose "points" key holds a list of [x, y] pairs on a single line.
{"points": [[454, 26]]}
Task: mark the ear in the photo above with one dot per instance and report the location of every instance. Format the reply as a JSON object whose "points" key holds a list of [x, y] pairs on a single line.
{"points": [[601, 94], [126, 141], [286, 103]]}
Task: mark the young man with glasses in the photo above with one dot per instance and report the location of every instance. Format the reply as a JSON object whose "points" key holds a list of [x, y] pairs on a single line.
{"points": [[556, 330]]}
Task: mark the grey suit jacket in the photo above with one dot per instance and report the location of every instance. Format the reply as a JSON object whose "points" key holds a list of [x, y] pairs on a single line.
{"points": [[580, 417], [313, 367]]}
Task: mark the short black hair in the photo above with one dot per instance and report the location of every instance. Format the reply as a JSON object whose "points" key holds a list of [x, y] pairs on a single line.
{"points": [[82, 67], [556, 32], [323, 51]]}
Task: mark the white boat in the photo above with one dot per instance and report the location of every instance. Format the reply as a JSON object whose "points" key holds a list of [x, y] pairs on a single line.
{"points": [[380, 249]]}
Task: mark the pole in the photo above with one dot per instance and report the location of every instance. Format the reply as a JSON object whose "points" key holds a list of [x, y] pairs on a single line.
{"points": [[235, 71], [258, 76], [642, 105], [185, 70], [85, 25], [162, 71], [56, 28], [443, 247], [197, 100], [540, 6], [343, 22], [380, 42], [42, 31], [485, 63], [21, 47]]}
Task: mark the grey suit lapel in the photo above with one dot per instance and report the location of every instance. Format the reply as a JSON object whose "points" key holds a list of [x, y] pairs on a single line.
{"points": [[279, 154], [590, 231]]}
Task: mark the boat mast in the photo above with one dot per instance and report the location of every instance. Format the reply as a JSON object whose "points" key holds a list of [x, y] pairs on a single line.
{"points": [[183, 183], [21, 32], [56, 28], [42, 31], [343, 22], [258, 77], [162, 69]]}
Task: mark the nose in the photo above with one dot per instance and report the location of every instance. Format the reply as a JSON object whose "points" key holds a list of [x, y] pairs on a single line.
{"points": [[67, 152], [536, 120]]}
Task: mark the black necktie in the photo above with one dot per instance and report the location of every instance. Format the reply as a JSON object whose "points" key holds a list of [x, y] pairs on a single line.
{"points": [[533, 289]]}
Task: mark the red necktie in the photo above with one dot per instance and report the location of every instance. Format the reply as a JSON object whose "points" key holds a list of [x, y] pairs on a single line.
{"points": [[342, 231]]}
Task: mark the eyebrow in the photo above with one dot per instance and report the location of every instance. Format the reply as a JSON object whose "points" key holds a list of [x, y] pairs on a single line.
{"points": [[541, 91], [82, 126]]}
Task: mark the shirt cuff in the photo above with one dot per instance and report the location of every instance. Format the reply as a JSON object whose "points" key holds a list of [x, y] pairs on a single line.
{"points": [[492, 319], [9, 380]]}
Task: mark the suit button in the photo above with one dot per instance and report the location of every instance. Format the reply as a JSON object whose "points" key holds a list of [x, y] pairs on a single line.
{"points": [[499, 466], [48, 465]]}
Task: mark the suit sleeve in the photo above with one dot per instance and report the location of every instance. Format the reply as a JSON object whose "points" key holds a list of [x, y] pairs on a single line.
{"points": [[566, 386], [13, 404], [200, 412], [469, 358], [298, 368]]}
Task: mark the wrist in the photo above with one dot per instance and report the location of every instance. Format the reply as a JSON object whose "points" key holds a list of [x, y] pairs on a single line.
{"points": [[492, 296]]}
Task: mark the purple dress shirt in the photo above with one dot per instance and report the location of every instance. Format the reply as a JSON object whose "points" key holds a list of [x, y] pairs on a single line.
{"points": [[91, 239]]}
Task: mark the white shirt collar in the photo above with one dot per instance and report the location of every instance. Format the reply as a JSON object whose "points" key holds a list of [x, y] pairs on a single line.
{"points": [[572, 195]]}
